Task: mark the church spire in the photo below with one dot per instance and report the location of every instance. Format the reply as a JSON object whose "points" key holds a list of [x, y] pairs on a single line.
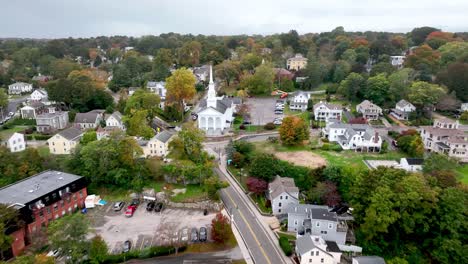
{"points": [[211, 100], [211, 74]]}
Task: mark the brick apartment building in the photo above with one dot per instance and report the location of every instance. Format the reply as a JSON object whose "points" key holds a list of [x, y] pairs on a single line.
{"points": [[40, 199]]}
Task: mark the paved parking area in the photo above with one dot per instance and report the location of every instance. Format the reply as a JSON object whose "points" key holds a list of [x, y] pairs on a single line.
{"points": [[262, 110], [144, 229]]}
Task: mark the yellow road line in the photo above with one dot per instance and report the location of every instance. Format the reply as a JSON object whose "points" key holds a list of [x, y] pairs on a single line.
{"points": [[250, 228]]}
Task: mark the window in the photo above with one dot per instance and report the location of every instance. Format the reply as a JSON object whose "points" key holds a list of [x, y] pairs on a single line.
{"points": [[279, 205], [321, 260], [41, 213], [46, 199], [75, 197], [81, 193], [316, 253], [55, 207], [281, 197], [48, 210], [61, 203], [54, 196], [310, 260], [295, 222], [286, 197]]}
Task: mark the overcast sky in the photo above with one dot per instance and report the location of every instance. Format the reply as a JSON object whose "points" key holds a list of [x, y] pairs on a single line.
{"points": [[85, 18]]}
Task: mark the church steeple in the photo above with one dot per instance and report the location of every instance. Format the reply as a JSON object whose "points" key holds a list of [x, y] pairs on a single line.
{"points": [[211, 100]]}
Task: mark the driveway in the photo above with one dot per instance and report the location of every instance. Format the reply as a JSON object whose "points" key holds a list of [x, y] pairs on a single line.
{"points": [[262, 110], [144, 229]]}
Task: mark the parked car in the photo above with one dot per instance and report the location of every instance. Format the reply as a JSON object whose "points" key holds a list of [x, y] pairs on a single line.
{"points": [[11, 114], [203, 234], [184, 235], [118, 206], [135, 202], [194, 235], [205, 211], [127, 246], [278, 112], [130, 210], [158, 207], [53, 253], [247, 122], [150, 206], [277, 122]]}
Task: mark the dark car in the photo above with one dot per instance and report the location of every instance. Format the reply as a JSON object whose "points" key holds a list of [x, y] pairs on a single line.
{"points": [[158, 207], [205, 211], [127, 246], [194, 235], [203, 234], [150, 206]]}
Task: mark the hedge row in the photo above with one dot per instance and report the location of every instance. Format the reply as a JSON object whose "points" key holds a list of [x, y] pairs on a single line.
{"points": [[141, 254], [285, 246]]}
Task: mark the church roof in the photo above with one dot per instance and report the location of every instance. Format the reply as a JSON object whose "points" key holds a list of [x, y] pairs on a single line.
{"points": [[221, 105]]}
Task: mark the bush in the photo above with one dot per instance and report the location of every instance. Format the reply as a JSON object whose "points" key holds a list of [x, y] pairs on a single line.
{"points": [[285, 246], [336, 147], [22, 122], [242, 127], [464, 116], [326, 146], [145, 253], [269, 126]]}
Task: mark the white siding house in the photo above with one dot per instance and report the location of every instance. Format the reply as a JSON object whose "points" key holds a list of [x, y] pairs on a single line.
{"points": [[19, 88], [299, 102], [353, 136], [39, 95], [283, 194], [314, 249], [115, 120], [324, 111], [15, 142], [369, 110], [403, 109]]}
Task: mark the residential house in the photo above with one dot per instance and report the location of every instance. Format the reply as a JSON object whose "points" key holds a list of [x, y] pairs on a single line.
{"points": [[359, 137], [445, 137], [131, 90], [314, 249], [39, 200], [265, 51], [403, 109], [158, 88], [299, 101], [127, 49], [89, 120], [14, 142], [202, 73], [19, 88], [283, 194], [51, 121], [283, 74], [296, 63], [411, 164], [39, 95], [33, 109], [368, 260], [397, 61], [105, 132], [324, 111], [464, 107], [42, 78], [65, 141], [369, 110], [115, 120], [158, 145], [317, 220]]}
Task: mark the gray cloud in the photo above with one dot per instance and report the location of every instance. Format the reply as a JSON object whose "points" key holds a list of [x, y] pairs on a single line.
{"points": [[84, 18]]}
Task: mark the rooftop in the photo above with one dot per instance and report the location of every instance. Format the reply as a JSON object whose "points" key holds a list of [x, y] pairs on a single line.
{"points": [[369, 260], [36, 186], [323, 214], [163, 136], [70, 133], [282, 185]]}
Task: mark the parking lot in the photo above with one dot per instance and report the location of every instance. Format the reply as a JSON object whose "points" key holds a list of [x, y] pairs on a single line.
{"points": [[145, 229], [262, 110]]}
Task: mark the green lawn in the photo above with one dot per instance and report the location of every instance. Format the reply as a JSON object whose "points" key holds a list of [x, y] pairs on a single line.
{"points": [[463, 173], [353, 159], [43, 151], [193, 193], [6, 132]]}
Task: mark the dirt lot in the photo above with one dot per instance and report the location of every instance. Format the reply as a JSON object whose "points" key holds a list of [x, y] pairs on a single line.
{"points": [[144, 229], [302, 158]]}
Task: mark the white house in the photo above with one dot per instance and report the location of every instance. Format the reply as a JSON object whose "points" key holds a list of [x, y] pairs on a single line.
{"points": [[314, 249], [283, 194], [115, 120], [411, 164], [15, 142], [397, 61], [324, 111], [19, 88], [369, 110], [158, 88], [299, 101], [127, 49], [403, 109], [358, 137], [201, 73], [158, 145], [39, 95], [216, 113], [464, 107], [88, 120]]}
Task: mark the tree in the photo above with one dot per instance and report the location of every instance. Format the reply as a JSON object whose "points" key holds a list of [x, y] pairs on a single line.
{"points": [[293, 130], [69, 235], [3, 98], [257, 186], [314, 72], [419, 35], [60, 69], [423, 94], [192, 139], [453, 52], [8, 220], [121, 78], [399, 82], [250, 61], [228, 70], [98, 249], [382, 67], [212, 185], [435, 162], [189, 54], [143, 100], [438, 38], [264, 166], [340, 71], [455, 77], [180, 87], [423, 57], [89, 136], [377, 89], [221, 230], [137, 124], [352, 87], [261, 82], [325, 193]]}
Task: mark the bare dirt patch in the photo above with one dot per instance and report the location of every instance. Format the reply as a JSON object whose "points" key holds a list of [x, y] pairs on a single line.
{"points": [[302, 158]]}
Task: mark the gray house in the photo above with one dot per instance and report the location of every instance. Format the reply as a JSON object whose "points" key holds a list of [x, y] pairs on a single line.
{"points": [[317, 220], [283, 194], [89, 120], [51, 121]]}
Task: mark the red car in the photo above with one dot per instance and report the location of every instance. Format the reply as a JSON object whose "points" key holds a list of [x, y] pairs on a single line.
{"points": [[130, 210]]}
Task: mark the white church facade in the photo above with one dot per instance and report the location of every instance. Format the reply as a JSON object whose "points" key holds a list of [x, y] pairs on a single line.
{"points": [[216, 114]]}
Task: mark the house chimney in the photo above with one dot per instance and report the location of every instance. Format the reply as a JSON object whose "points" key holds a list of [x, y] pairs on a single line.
{"points": [[376, 136]]}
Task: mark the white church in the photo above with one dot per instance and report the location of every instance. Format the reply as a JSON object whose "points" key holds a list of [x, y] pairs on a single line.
{"points": [[216, 113]]}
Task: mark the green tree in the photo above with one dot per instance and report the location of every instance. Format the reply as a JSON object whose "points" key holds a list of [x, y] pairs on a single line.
{"points": [[69, 235], [9, 219], [3, 98], [98, 250], [192, 139], [423, 94], [435, 162], [228, 70], [293, 130], [143, 100], [250, 61], [377, 89], [89, 136], [261, 82], [399, 83], [340, 71], [180, 87], [264, 166], [60, 69], [137, 124], [352, 87], [212, 185], [455, 77], [419, 35], [189, 53], [121, 78]]}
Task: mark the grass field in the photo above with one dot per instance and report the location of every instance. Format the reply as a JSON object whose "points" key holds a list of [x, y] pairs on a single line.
{"points": [[193, 193], [463, 173], [353, 159], [6, 132]]}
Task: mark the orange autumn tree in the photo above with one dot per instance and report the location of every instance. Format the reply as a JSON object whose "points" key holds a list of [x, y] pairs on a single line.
{"points": [[293, 130]]}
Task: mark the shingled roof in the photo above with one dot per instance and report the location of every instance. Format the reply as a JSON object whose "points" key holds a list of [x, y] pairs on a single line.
{"points": [[282, 185], [71, 133]]}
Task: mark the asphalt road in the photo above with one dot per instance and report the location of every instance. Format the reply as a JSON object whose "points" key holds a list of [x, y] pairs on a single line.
{"points": [[12, 106], [262, 248]]}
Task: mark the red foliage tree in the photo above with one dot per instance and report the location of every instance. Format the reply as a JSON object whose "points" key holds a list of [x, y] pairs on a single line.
{"points": [[221, 229], [327, 193], [409, 132], [358, 120], [257, 186]]}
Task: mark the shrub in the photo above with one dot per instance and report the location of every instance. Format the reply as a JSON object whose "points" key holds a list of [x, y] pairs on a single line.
{"points": [[325, 140], [269, 126], [336, 147], [326, 146], [464, 116], [285, 246], [242, 127]]}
